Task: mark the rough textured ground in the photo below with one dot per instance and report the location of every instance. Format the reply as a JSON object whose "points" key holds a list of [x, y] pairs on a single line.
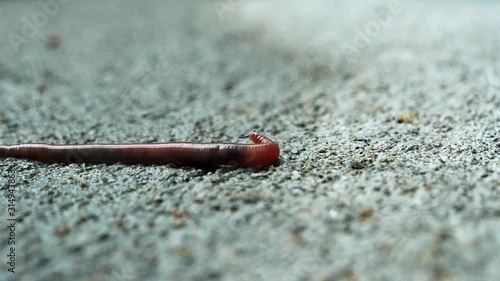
{"points": [[387, 116]]}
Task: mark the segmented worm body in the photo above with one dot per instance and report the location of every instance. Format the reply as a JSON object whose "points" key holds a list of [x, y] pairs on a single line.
{"points": [[263, 152]]}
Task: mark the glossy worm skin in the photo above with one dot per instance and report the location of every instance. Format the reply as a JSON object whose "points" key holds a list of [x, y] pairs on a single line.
{"points": [[263, 152]]}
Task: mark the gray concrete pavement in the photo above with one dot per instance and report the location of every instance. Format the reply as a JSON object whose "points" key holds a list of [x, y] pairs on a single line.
{"points": [[387, 114]]}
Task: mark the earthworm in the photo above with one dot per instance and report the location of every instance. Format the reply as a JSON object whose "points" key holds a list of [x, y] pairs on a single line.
{"points": [[263, 152]]}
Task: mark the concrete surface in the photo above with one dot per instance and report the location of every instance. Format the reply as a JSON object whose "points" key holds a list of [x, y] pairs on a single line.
{"points": [[387, 114]]}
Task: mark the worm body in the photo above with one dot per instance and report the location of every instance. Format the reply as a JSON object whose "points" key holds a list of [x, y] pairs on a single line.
{"points": [[263, 152]]}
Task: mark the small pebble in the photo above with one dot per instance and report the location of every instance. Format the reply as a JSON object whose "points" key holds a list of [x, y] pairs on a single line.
{"points": [[357, 164]]}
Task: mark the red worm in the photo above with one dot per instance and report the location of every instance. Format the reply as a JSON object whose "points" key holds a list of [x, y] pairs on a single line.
{"points": [[263, 152]]}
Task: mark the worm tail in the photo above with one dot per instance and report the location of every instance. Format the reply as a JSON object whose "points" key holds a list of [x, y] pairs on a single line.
{"points": [[4, 152]]}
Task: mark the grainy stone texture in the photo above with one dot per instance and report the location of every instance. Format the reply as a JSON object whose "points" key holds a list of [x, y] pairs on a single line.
{"points": [[387, 115]]}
